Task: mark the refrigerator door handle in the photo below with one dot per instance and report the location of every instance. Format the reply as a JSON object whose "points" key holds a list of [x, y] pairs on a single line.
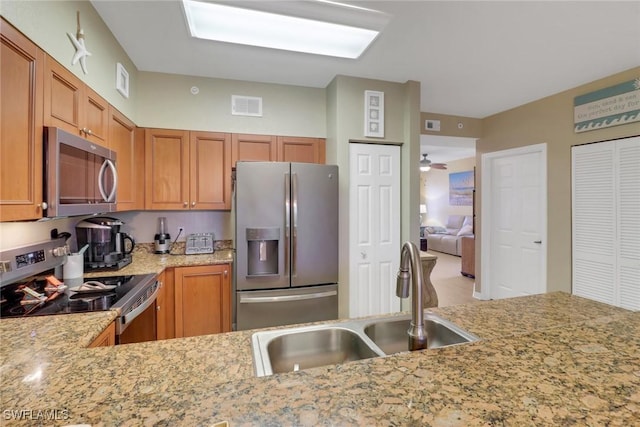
{"points": [[287, 221], [294, 240], [249, 299]]}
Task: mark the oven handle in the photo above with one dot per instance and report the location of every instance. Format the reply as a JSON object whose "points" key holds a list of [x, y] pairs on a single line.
{"points": [[129, 317], [246, 299]]}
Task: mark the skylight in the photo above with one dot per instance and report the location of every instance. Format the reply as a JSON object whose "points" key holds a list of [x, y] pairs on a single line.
{"points": [[230, 24]]}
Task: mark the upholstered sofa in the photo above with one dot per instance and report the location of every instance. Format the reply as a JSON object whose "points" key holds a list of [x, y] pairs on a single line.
{"points": [[447, 239]]}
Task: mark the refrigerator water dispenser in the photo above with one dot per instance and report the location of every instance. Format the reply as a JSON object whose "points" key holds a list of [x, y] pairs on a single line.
{"points": [[262, 254]]}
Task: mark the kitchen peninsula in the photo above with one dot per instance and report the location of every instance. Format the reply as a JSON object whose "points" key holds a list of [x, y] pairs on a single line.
{"points": [[547, 359]]}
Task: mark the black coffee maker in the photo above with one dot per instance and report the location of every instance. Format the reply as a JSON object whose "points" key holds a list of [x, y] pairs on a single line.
{"points": [[109, 248]]}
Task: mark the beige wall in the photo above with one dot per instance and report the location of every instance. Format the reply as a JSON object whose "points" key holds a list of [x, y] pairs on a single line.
{"points": [[47, 23], [345, 122], [166, 101], [435, 189], [549, 120], [452, 125]]}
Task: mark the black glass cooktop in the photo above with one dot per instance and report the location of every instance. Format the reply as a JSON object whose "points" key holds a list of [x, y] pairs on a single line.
{"points": [[67, 302]]}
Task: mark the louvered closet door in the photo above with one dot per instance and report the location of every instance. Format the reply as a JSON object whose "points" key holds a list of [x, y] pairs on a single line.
{"points": [[606, 231], [628, 156]]}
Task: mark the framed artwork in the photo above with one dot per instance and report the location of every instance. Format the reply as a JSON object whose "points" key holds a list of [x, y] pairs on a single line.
{"points": [[461, 185], [373, 114], [122, 80]]}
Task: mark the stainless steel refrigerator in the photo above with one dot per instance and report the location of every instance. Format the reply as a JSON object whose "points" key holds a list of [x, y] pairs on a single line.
{"points": [[286, 239]]}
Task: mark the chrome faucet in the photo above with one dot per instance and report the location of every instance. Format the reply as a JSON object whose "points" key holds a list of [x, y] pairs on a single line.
{"points": [[410, 268]]}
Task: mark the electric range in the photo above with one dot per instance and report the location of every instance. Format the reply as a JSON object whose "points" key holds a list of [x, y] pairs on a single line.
{"points": [[13, 305], [25, 291]]}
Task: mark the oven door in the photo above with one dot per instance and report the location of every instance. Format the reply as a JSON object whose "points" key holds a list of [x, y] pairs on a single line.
{"points": [[138, 317], [142, 328]]}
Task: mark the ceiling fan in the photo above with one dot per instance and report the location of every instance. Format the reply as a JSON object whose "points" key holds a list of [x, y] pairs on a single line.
{"points": [[426, 164]]}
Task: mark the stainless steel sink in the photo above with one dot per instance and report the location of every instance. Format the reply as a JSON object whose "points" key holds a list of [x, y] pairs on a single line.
{"points": [[291, 349], [286, 350], [320, 347], [391, 334]]}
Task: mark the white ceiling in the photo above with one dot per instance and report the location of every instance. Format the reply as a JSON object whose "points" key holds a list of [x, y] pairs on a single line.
{"points": [[443, 149], [473, 58]]}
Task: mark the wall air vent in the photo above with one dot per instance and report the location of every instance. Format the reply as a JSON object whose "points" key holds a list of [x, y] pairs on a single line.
{"points": [[246, 106]]}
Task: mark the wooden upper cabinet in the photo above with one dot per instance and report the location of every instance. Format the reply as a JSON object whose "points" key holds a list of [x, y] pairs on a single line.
{"points": [[304, 150], [62, 97], [166, 169], [94, 117], [187, 170], [210, 170], [254, 147], [21, 88], [202, 300], [71, 105], [128, 143]]}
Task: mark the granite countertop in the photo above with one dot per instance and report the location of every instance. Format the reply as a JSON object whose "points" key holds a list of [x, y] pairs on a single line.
{"points": [[145, 261], [551, 359]]}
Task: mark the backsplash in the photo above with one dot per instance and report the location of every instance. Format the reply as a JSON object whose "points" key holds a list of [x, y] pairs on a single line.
{"points": [[142, 225]]}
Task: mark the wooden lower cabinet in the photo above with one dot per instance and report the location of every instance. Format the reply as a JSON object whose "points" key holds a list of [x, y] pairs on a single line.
{"points": [[468, 262], [165, 306], [202, 300], [106, 338]]}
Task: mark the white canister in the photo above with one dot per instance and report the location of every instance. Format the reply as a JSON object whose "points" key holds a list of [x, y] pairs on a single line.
{"points": [[73, 268]]}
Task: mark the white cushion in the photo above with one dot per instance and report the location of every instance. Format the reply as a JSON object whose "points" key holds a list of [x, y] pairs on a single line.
{"points": [[466, 230]]}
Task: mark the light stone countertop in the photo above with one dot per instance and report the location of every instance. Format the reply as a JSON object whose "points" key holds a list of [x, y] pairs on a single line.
{"points": [[550, 359], [145, 261]]}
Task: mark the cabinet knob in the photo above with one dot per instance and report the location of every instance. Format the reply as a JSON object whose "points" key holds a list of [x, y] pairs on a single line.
{"points": [[158, 308], [193, 204], [185, 204], [225, 273]]}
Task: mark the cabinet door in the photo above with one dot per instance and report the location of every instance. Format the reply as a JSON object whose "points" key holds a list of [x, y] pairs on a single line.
{"points": [[467, 265], [203, 300], [62, 97], [304, 150], [166, 169], [106, 337], [165, 306], [21, 88], [94, 117], [125, 139], [210, 169], [254, 147]]}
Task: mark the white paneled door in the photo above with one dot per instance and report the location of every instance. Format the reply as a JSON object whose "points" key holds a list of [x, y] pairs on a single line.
{"points": [[374, 228], [514, 222]]}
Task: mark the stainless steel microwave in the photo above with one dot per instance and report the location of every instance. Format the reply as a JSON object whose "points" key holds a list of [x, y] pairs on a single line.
{"points": [[80, 176]]}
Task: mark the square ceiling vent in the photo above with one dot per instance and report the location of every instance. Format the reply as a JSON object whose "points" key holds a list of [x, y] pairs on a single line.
{"points": [[246, 106]]}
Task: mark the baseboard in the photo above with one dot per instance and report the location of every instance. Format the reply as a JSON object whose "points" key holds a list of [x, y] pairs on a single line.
{"points": [[479, 295]]}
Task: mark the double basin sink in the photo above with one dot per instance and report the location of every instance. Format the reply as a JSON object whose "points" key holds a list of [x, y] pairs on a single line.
{"points": [[292, 349]]}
